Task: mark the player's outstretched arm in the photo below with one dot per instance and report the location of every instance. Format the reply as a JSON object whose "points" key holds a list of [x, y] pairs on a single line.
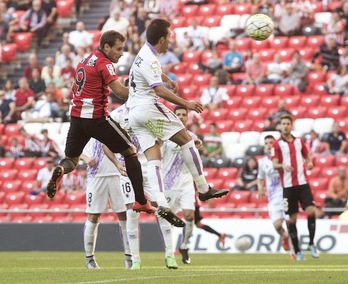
{"points": [[119, 165], [119, 89]]}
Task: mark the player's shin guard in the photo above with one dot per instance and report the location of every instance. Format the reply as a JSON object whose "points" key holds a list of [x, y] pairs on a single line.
{"points": [[167, 236], [133, 233], [68, 165], [155, 179], [90, 233], [124, 237], [293, 235], [187, 234], [311, 228], [194, 164], [136, 177]]}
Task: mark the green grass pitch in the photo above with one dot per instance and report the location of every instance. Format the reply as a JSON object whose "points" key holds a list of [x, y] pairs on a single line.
{"points": [[68, 267]]}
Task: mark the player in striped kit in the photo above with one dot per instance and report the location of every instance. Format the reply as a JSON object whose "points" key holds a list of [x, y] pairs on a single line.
{"points": [[289, 155]]}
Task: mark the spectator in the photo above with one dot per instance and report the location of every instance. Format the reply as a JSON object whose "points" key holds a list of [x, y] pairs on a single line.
{"points": [[265, 7], [140, 20], [24, 97], [50, 64], [335, 28], [32, 144], [233, 60], [197, 35], [9, 90], [338, 192], [212, 143], [314, 144], [338, 82], [67, 78], [80, 37], [116, 22], [169, 59], [213, 96], [49, 147], [81, 178], [36, 84], [255, 71], [171, 75], [2, 148], [343, 11], [275, 117], [169, 8], [65, 40], [305, 10], [5, 34], [7, 109], [34, 20], [297, 72], [64, 55], [268, 125], [33, 63], [52, 78], [276, 70], [247, 178], [336, 141], [195, 129], [289, 22], [43, 177], [41, 112], [182, 44], [152, 8], [68, 182], [50, 8], [213, 65], [329, 54], [15, 150], [344, 56]]}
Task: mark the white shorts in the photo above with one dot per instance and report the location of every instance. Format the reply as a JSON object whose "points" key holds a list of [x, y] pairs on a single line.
{"points": [[127, 190], [181, 199], [276, 212], [153, 122], [100, 190]]}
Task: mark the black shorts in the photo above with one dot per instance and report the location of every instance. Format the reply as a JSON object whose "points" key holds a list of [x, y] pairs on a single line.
{"points": [[198, 216], [106, 130], [297, 194]]}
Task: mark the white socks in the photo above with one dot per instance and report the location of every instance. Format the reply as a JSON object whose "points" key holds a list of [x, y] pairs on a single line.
{"points": [[90, 233], [166, 231], [123, 232], [155, 179], [133, 234], [194, 164], [187, 233]]}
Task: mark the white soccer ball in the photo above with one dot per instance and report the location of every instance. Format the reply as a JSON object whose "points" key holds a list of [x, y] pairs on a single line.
{"points": [[259, 27], [243, 243]]}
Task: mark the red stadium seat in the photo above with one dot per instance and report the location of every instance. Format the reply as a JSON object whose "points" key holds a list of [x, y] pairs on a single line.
{"points": [[270, 102], [178, 22], [238, 114], [95, 36], [14, 198], [286, 53], [245, 210], [189, 92], [310, 101], [343, 122], [224, 125], [324, 161], [283, 90], [204, 127], [180, 68], [205, 55], [28, 185], [79, 212], [245, 90], [316, 112], [201, 79], [189, 11], [233, 102], [212, 21], [12, 129], [42, 219], [227, 173], [317, 7], [40, 162], [6, 163], [210, 173], [258, 113], [344, 101], [21, 219], [192, 56], [23, 40], [297, 42], [215, 182], [39, 210], [279, 42], [328, 172], [24, 163], [266, 55], [259, 45], [337, 112], [238, 197], [242, 9], [2, 127], [333, 5], [342, 160], [3, 206], [264, 90], [64, 7], [318, 184], [230, 89], [58, 198], [199, 20], [18, 14], [73, 198], [62, 219], [315, 77], [306, 53], [184, 79], [8, 52], [2, 195], [315, 41], [242, 44], [251, 102], [218, 114], [238, 77], [8, 175], [229, 183], [224, 9], [11, 186], [329, 100], [35, 199], [30, 174], [58, 210], [194, 69], [319, 197], [243, 125], [298, 112], [313, 173], [258, 125], [292, 101]]}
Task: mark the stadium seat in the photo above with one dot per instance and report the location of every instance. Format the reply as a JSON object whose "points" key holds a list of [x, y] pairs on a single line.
{"points": [[242, 125], [310, 100], [283, 90], [333, 5], [189, 92], [297, 42], [178, 22], [329, 100], [218, 114], [242, 44], [264, 90], [215, 182], [24, 163], [58, 210], [18, 14], [34, 199], [14, 198], [266, 55], [238, 77], [315, 41], [336, 112], [28, 185], [323, 125], [230, 21], [233, 151], [318, 184], [220, 162], [317, 7], [189, 11], [201, 79], [192, 56], [210, 173], [316, 77], [40, 163], [215, 34], [263, 134], [258, 113], [313, 173], [239, 197], [249, 138], [316, 111], [292, 101], [343, 122], [342, 160], [78, 212], [29, 174], [95, 37], [12, 129], [224, 9], [73, 198], [211, 21], [11, 186], [279, 42], [319, 197], [194, 69], [286, 54], [259, 45], [6, 163], [306, 53], [258, 125], [229, 138], [245, 90], [251, 102], [224, 125], [328, 172], [344, 101], [269, 102], [3, 206], [298, 112], [42, 219], [22, 40], [324, 161], [238, 114], [8, 174], [2, 127], [21, 219], [227, 173], [254, 150], [229, 183], [206, 55], [233, 102], [8, 52], [38, 210], [64, 7], [180, 68], [204, 127], [184, 80], [58, 198], [242, 9]]}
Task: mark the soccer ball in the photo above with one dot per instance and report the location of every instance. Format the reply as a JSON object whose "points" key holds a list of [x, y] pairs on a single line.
{"points": [[259, 27], [242, 244]]}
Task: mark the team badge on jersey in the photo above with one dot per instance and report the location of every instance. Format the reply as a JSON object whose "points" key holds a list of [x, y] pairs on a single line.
{"points": [[155, 68], [111, 69]]}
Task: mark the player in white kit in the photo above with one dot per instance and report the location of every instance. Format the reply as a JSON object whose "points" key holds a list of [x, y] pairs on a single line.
{"points": [[152, 122], [268, 179], [105, 183]]}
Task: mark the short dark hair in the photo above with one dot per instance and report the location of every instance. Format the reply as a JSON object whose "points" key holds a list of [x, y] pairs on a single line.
{"points": [[179, 108], [269, 137], [157, 28], [286, 116], [110, 37]]}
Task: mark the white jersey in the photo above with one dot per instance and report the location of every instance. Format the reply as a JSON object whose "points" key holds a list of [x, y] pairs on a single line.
{"points": [[145, 74], [273, 182], [104, 167]]}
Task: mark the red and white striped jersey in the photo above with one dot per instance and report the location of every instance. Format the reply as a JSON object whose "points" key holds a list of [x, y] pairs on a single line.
{"points": [[90, 92], [292, 154]]}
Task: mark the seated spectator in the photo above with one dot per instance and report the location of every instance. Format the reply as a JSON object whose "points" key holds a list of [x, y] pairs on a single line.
{"points": [[269, 126], [24, 97], [36, 84], [152, 8], [182, 45], [344, 55], [141, 19], [52, 78], [195, 129], [80, 37], [2, 148], [50, 7], [338, 82], [255, 71], [289, 22], [65, 54], [305, 10], [212, 143], [5, 32], [265, 7], [197, 35], [50, 70], [170, 75], [247, 178], [41, 112], [9, 90], [65, 40], [275, 117], [297, 72], [213, 96], [68, 182], [233, 60], [33, 63], [49, 147], [336, 143], [169, 59], [32, 144], [116, 22], [55, 93], [338, 192], [213, 64], [67, 78], [343, 11], [15, 150], [43, 177], [7, 109], [34, 20], [329, 55], [276, 70], [335, 28], [81, 177], [314, 144]]}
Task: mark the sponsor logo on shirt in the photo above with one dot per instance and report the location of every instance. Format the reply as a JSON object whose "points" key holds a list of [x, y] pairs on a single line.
{"points": [[111, 69], [155, 68]]}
